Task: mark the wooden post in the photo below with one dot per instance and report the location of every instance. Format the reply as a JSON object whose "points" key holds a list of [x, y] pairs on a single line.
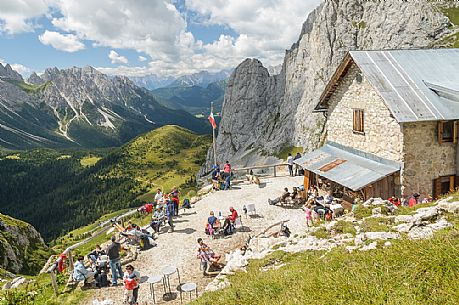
{"points": [[274, 170], [70, 260], [54, 283]]}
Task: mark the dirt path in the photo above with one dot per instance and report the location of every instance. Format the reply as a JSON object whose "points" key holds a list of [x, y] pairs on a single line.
{"points": [[179, 248]]}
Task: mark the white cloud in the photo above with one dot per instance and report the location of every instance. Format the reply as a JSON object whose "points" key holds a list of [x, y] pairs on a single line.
{"points": [[19, 16], [63, 42], [116, 58], [21, 69], [266, 28], [157, 30]]}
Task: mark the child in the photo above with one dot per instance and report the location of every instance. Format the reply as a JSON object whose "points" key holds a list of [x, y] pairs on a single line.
{"points": [[308, 210], [131, 285]]}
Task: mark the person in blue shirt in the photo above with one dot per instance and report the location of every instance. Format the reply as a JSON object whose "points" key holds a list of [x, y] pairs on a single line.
{"points": [[80, 273], [170, 214]]}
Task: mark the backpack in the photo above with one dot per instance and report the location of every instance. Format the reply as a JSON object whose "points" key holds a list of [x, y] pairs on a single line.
{"points": [[102, 280], [186, 204]]}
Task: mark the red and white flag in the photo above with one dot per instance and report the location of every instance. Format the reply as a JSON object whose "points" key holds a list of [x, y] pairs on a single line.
{"points": [[212, 120]]}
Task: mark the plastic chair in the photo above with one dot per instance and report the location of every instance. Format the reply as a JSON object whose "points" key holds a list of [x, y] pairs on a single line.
{"points": [[188, 287], [251, 209], [152, 280]]}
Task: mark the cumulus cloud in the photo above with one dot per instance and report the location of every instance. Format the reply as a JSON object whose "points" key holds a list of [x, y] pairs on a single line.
{"points": [[19, 16], [116, 58], [142, 58], [63, 42]]}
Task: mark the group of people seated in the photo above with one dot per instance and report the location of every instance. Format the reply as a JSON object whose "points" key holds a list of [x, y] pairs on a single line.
{"points": [[287, 197], [214, 226], [221, 180], [95, 269], [411, 201]]}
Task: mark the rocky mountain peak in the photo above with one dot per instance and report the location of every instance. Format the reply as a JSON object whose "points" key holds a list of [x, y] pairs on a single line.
{"points": [[35, 79], [7, 72], [262, 114]]}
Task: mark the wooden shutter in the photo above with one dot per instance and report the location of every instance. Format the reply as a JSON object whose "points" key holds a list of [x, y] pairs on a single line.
{"points": [[455, 132], [361, 121], [440, 132], [354, 123], [436, 188], [451, 183]]}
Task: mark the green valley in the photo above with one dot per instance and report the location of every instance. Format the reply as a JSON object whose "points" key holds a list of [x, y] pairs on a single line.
{"points": [[37, 185]]}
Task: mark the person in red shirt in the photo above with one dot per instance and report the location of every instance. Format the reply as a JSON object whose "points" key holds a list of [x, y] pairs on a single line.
{"points": [[413, 200], [230, 219], [227, 168], [395, 201]]}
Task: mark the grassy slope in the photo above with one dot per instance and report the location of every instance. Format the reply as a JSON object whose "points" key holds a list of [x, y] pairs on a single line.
{"points": [[408, 272], [167, 157]]}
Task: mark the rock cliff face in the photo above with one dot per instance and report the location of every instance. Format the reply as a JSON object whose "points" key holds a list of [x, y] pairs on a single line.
{"points": [[22, 249], [6, 72], [263, 113]]}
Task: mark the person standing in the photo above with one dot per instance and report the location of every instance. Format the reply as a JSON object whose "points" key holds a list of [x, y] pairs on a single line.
{"points": [[132, 280], [297, 167], [113, 252], [158, 196], [290, 164], [227, 169], [170, 214]]}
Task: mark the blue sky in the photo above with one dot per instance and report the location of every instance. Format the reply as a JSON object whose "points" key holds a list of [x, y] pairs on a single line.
{"points": [[141, 37]]}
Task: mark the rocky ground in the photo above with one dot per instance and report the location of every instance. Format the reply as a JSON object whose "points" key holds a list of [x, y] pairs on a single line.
{"points": [[179, 248]]}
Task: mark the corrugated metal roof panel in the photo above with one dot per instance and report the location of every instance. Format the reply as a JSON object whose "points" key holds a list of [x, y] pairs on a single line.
{"points": [[358, 171], [400, 77]]}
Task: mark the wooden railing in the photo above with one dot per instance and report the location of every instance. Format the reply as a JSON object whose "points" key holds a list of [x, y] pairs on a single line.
{"points": [[268, 166], [102, 228]]}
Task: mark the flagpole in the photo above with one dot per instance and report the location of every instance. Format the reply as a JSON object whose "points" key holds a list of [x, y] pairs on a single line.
{"points": [[213, 134]]}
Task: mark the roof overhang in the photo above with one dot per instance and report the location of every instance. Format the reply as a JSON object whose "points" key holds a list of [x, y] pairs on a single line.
{"points": [[333, 83], [346, 166]]}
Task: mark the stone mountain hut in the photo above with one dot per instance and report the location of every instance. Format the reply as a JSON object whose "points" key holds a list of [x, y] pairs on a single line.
{"points": [[391, 125]]}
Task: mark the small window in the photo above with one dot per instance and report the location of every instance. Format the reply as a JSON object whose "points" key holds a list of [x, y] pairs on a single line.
{"points": [[358, 126], [447, 131]]}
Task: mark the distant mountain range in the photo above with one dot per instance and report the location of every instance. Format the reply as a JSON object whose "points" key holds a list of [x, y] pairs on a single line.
{"points": [[201, 79], [192, 93], [79, 107]]}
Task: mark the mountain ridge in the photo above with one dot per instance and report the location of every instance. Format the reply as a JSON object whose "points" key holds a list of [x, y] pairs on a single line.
{"points": [[79, 107]]}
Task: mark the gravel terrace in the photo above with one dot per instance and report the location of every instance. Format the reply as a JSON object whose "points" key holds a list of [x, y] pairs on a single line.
{"points": [[180, 248]]}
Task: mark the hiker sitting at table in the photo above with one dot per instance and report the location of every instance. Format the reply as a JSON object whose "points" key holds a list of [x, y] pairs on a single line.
{"points": [[228, 226], [80, 273], [328, 199], [157, 219], [321, 207], [207, 255], [282, 198], [313, 192], [94, 255], [212, 224], [413, 200]]}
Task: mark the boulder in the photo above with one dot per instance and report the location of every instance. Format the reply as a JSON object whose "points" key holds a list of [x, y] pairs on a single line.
{"points": [[420, 233], [450, 207], [382, 235], [371, 246]]}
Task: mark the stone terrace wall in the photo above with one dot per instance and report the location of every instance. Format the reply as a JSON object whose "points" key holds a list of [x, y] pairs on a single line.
{"points": [[425, 159], [383, 135]]}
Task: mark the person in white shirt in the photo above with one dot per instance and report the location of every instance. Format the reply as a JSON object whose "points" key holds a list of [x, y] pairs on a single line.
{"points": [[158, 196], [290, 164]]}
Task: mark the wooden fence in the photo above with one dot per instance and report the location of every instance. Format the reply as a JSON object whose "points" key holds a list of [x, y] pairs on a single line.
{"points": [[101, 229]]}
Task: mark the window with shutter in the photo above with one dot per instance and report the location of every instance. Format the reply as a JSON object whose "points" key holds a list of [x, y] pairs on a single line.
{"points": [[447, 132], [358, 121]]}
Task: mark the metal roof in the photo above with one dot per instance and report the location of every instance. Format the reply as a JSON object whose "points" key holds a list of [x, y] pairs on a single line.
{"points": [[416, 85], [349, 167]]}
